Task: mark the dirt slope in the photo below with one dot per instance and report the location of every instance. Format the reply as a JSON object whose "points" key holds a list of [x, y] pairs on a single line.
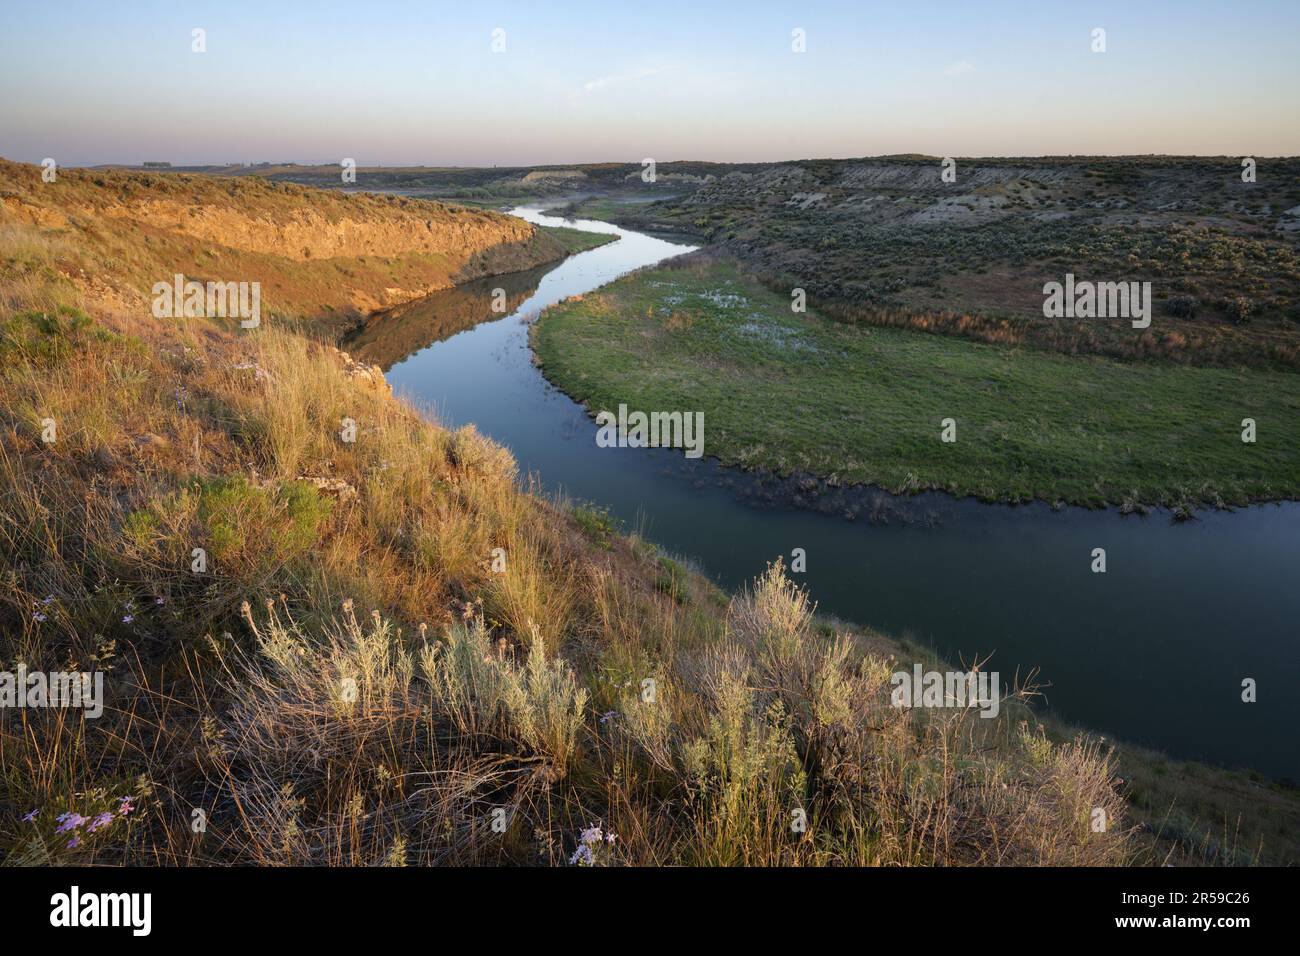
{"points": [[320, 255]]}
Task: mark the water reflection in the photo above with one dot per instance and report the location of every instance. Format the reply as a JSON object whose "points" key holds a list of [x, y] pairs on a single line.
{"points": [[392, 335], [1153, 651]]}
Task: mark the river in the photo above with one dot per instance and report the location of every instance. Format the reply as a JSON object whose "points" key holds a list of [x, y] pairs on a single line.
{"points": [[1154, 651]]}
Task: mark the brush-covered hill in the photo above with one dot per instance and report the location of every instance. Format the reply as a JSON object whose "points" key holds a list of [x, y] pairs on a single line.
{"points": [[893, 242], [374, 645]]}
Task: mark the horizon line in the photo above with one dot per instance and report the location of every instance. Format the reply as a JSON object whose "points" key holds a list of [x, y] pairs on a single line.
{"points": [[306, 164]]}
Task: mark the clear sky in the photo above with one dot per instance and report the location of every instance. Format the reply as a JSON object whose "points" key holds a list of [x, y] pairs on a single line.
{"points": [[418, 82]]}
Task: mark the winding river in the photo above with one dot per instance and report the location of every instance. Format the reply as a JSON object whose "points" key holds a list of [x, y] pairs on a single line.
{"points": [[1154, 651]]}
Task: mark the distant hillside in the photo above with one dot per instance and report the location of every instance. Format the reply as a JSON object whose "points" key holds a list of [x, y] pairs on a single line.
{"points": [[893, 241], [484, 183]]}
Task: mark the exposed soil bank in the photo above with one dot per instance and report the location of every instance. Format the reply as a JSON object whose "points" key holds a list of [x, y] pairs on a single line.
{"points": [[322, 258]]}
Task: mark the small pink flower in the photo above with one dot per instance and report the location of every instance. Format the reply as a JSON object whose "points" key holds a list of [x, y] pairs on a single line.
{"points": [[124, 806]]}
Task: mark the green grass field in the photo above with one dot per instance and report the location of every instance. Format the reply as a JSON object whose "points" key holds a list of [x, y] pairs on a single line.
{"points": [[578, 240], [786, 391]]}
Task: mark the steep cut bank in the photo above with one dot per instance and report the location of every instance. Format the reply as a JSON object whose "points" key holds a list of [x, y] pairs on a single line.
{"points": [[319, 255]]}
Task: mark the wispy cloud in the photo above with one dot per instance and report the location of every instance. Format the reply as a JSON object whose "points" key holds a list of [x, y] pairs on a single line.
{"points": [[603, 82], [958, 68]]}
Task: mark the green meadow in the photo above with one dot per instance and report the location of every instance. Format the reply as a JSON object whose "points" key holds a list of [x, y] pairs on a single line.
{"points": [[793, 391]]}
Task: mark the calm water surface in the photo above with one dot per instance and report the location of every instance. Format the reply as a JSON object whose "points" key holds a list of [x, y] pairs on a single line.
{"points": [[1153, 651]]}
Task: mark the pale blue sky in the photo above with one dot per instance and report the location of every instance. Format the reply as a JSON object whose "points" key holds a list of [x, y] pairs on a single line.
{"points": [[418, 83]]}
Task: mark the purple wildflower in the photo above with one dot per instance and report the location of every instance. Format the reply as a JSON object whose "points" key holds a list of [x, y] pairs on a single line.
{"points": [[70, 821], [103, 820], [30, 817], [582, 856]]}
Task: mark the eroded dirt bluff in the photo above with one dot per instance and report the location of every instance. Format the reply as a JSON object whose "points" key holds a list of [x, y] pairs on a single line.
{"points": [[325, 256]]}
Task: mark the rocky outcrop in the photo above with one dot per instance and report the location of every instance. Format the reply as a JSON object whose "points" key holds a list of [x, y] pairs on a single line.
{"points": [[369, 377]]}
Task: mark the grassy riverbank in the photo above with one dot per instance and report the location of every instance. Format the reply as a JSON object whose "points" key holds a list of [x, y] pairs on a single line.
{"points": [[786, 391], [578, 240], [391, 644]]}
